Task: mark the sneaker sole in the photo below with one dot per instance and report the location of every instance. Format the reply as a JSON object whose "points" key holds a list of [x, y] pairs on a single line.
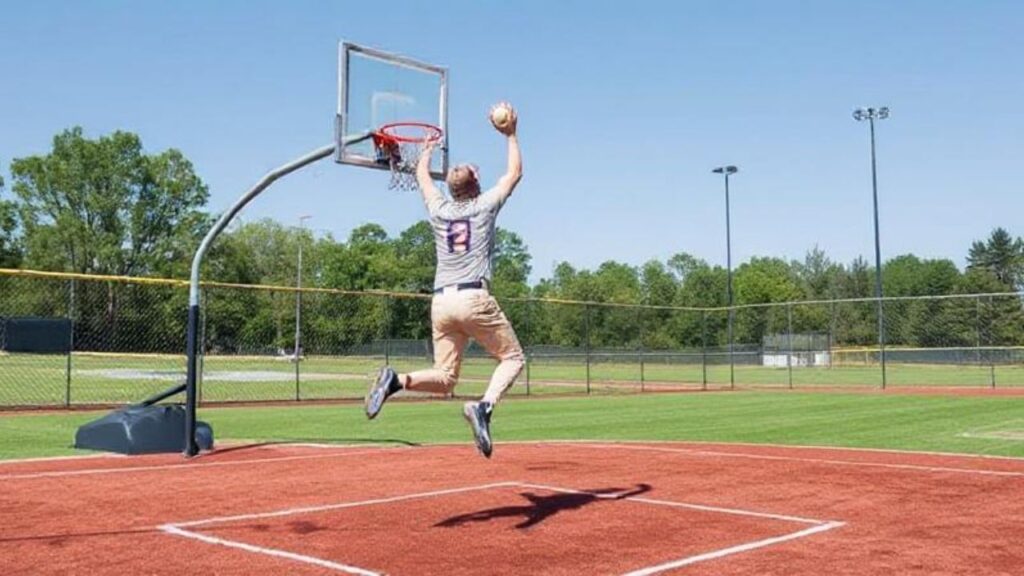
{"points": [[376, 387], [371, 414], [485, 449]]}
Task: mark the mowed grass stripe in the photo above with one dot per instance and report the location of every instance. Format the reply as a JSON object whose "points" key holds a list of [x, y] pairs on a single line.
{"points": [[42, 380], [905, 422]]}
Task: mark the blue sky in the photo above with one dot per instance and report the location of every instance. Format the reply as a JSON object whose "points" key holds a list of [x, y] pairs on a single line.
{"points": [[625, 108]]}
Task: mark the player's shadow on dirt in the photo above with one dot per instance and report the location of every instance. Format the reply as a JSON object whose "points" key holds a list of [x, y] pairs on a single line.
{"points": [[66, 538], [542, 507]]}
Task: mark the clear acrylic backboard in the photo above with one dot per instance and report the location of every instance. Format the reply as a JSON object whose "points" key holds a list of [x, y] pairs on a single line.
{"points": [[376, 89]]}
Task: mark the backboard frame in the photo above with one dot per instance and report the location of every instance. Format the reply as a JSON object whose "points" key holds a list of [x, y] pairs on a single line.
{"points": [[342, 135]]}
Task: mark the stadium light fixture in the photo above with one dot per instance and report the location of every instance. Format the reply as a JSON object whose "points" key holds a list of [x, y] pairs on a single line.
{"points": [[872, 114], [727, 171]]}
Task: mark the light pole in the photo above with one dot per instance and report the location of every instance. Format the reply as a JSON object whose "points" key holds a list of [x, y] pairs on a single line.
{"points": [[298, 288], [726, 171], [872, 114]]}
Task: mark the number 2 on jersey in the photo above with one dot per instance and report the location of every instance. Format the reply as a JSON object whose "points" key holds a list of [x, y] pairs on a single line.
{"points": [[458, 236]]}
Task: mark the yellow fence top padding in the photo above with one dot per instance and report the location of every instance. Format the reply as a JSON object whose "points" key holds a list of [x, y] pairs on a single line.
{"points": [[9, 272]]}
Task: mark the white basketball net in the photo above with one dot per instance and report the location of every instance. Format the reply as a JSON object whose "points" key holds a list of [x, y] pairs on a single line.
{"points": [[400, 146]]}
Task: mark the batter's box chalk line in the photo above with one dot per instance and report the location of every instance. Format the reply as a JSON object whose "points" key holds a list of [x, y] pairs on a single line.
{"points": [[186, 529]]}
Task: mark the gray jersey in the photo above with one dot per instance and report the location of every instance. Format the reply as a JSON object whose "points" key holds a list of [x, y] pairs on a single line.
{"points": [[464, 237]]}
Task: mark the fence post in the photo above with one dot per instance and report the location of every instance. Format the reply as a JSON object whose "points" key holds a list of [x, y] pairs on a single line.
{"points": [[298, 386], [881, 336], [298, 339], [732, 363], [640, 350], [789, 342], [977, 330], [387, 329], [586, 340], [704, 349], [529, 341], [831, 331], [71, 343], [991, 356]]}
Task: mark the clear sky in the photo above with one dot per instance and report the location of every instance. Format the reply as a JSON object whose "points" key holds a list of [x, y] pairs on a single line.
{"points": [[625, 108]]}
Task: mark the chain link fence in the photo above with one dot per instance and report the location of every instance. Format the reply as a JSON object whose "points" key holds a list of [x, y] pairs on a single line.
{"points": [[75, 340]]}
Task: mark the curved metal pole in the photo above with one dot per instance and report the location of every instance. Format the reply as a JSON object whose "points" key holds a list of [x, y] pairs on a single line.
{"points": [[225, 218], [192, 344]]}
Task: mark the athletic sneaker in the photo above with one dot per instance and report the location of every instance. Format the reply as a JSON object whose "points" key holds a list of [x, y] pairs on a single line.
{"points": [[478, 414], [385, 385]]}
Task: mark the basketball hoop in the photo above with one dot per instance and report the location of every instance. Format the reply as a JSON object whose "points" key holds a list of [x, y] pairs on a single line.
{"points": [[399, 145]]}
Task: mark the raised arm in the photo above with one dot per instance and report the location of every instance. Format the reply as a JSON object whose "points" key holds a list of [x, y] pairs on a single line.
{"points": [[431, 195], [514, 171]]}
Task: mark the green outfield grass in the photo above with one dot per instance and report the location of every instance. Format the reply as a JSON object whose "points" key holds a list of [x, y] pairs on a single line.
{"points": [[908, 422], [106, 379]]}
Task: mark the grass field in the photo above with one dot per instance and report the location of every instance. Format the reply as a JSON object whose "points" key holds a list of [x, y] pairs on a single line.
{"points": [[971, 424], [113, 379]]}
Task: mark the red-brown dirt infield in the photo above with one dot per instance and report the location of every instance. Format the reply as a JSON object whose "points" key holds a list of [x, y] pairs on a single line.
{"points": [[548, 508]]}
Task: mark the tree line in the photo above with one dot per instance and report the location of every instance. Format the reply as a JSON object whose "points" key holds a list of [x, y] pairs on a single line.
{"points": [[106, 206]]}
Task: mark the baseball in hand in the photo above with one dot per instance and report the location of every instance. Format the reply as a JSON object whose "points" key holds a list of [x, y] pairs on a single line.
{"points": [[502, 116]]}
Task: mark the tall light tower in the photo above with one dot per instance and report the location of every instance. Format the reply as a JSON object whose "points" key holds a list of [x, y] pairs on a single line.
{"points": [[872, 114], [727, 171]]}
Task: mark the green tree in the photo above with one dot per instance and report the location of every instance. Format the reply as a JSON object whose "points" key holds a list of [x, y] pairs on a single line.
{"points": [[908, 275], [613, 326], [104, 206], [274, 248], [682, 264], [1001, 255], [763, 280], [417, 257], [855, 323], [820, 279], [10, 247], [562, 324], [999, 319], [819, 276], [511, 264], [366, 262], [369, 261], [415, 260], [928, 322], [703, 286], [658, 287], [264, 252], [230, 314]]}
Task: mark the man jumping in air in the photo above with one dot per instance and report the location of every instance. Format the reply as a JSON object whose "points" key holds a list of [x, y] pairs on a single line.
{"points": [[462, 307]]}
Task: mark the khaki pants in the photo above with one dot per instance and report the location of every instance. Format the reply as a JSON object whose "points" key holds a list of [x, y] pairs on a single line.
{"points": [[457, 316]]}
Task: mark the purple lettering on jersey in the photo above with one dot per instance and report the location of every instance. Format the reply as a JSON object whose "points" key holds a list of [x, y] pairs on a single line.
{"points": [[458, 236]]}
